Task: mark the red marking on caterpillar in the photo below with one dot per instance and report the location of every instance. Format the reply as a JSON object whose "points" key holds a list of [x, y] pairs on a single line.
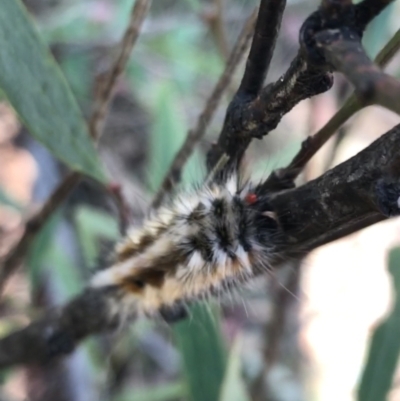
{"points": [[251, 198]]}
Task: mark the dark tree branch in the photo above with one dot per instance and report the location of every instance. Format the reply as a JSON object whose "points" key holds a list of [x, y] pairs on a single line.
{"points": [[245, 121], [234, 138], [341, 198], [346, 229], [331, 40], [300, 82], [262, 48], [59, 332], [308, 75], [313, 143], [253, 113], [173, 176], [248, 117], [343, 50]]}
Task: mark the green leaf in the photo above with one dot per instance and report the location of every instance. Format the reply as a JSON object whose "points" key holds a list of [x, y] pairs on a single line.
{"points": [[200, 341], [92, 224], [384, 349], [69, 22], [233, 387], [78, 72], [163, 392], [40, 249], [47, 256], [36, 88], [168, 132], [68, 278]]}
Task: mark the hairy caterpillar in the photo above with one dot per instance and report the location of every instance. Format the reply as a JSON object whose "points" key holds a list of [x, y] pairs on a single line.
{"points": [[200, 243]]}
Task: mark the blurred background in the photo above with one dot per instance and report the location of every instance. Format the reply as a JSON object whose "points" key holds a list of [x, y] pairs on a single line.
{"points": [[303, 333]]}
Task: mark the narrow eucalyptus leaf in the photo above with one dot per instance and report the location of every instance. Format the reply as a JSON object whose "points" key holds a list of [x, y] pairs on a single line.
{"points": [[203, 353], [384, 349], [36, 88], [233, 387]]}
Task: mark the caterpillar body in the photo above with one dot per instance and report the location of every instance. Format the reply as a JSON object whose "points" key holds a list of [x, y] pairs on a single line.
{"points": [[200, 243]]}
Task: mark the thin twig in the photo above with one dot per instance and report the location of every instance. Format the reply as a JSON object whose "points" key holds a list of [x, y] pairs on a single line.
{"points": [[389, 50], [262, 47], [215, 21], [331, 157], [194, 136], [247, 120], [220, 29], [138, 14], [13, 259], [308, 75], [254, 112], [343, 231], [312, 144], [344, 52], [123, 208]]}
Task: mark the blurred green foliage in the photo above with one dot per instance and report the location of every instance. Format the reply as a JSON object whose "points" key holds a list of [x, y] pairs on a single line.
{"points": [[40, 94], [172, 70], [384, 349], [163, 392], [201, 344], [233, 387]]}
